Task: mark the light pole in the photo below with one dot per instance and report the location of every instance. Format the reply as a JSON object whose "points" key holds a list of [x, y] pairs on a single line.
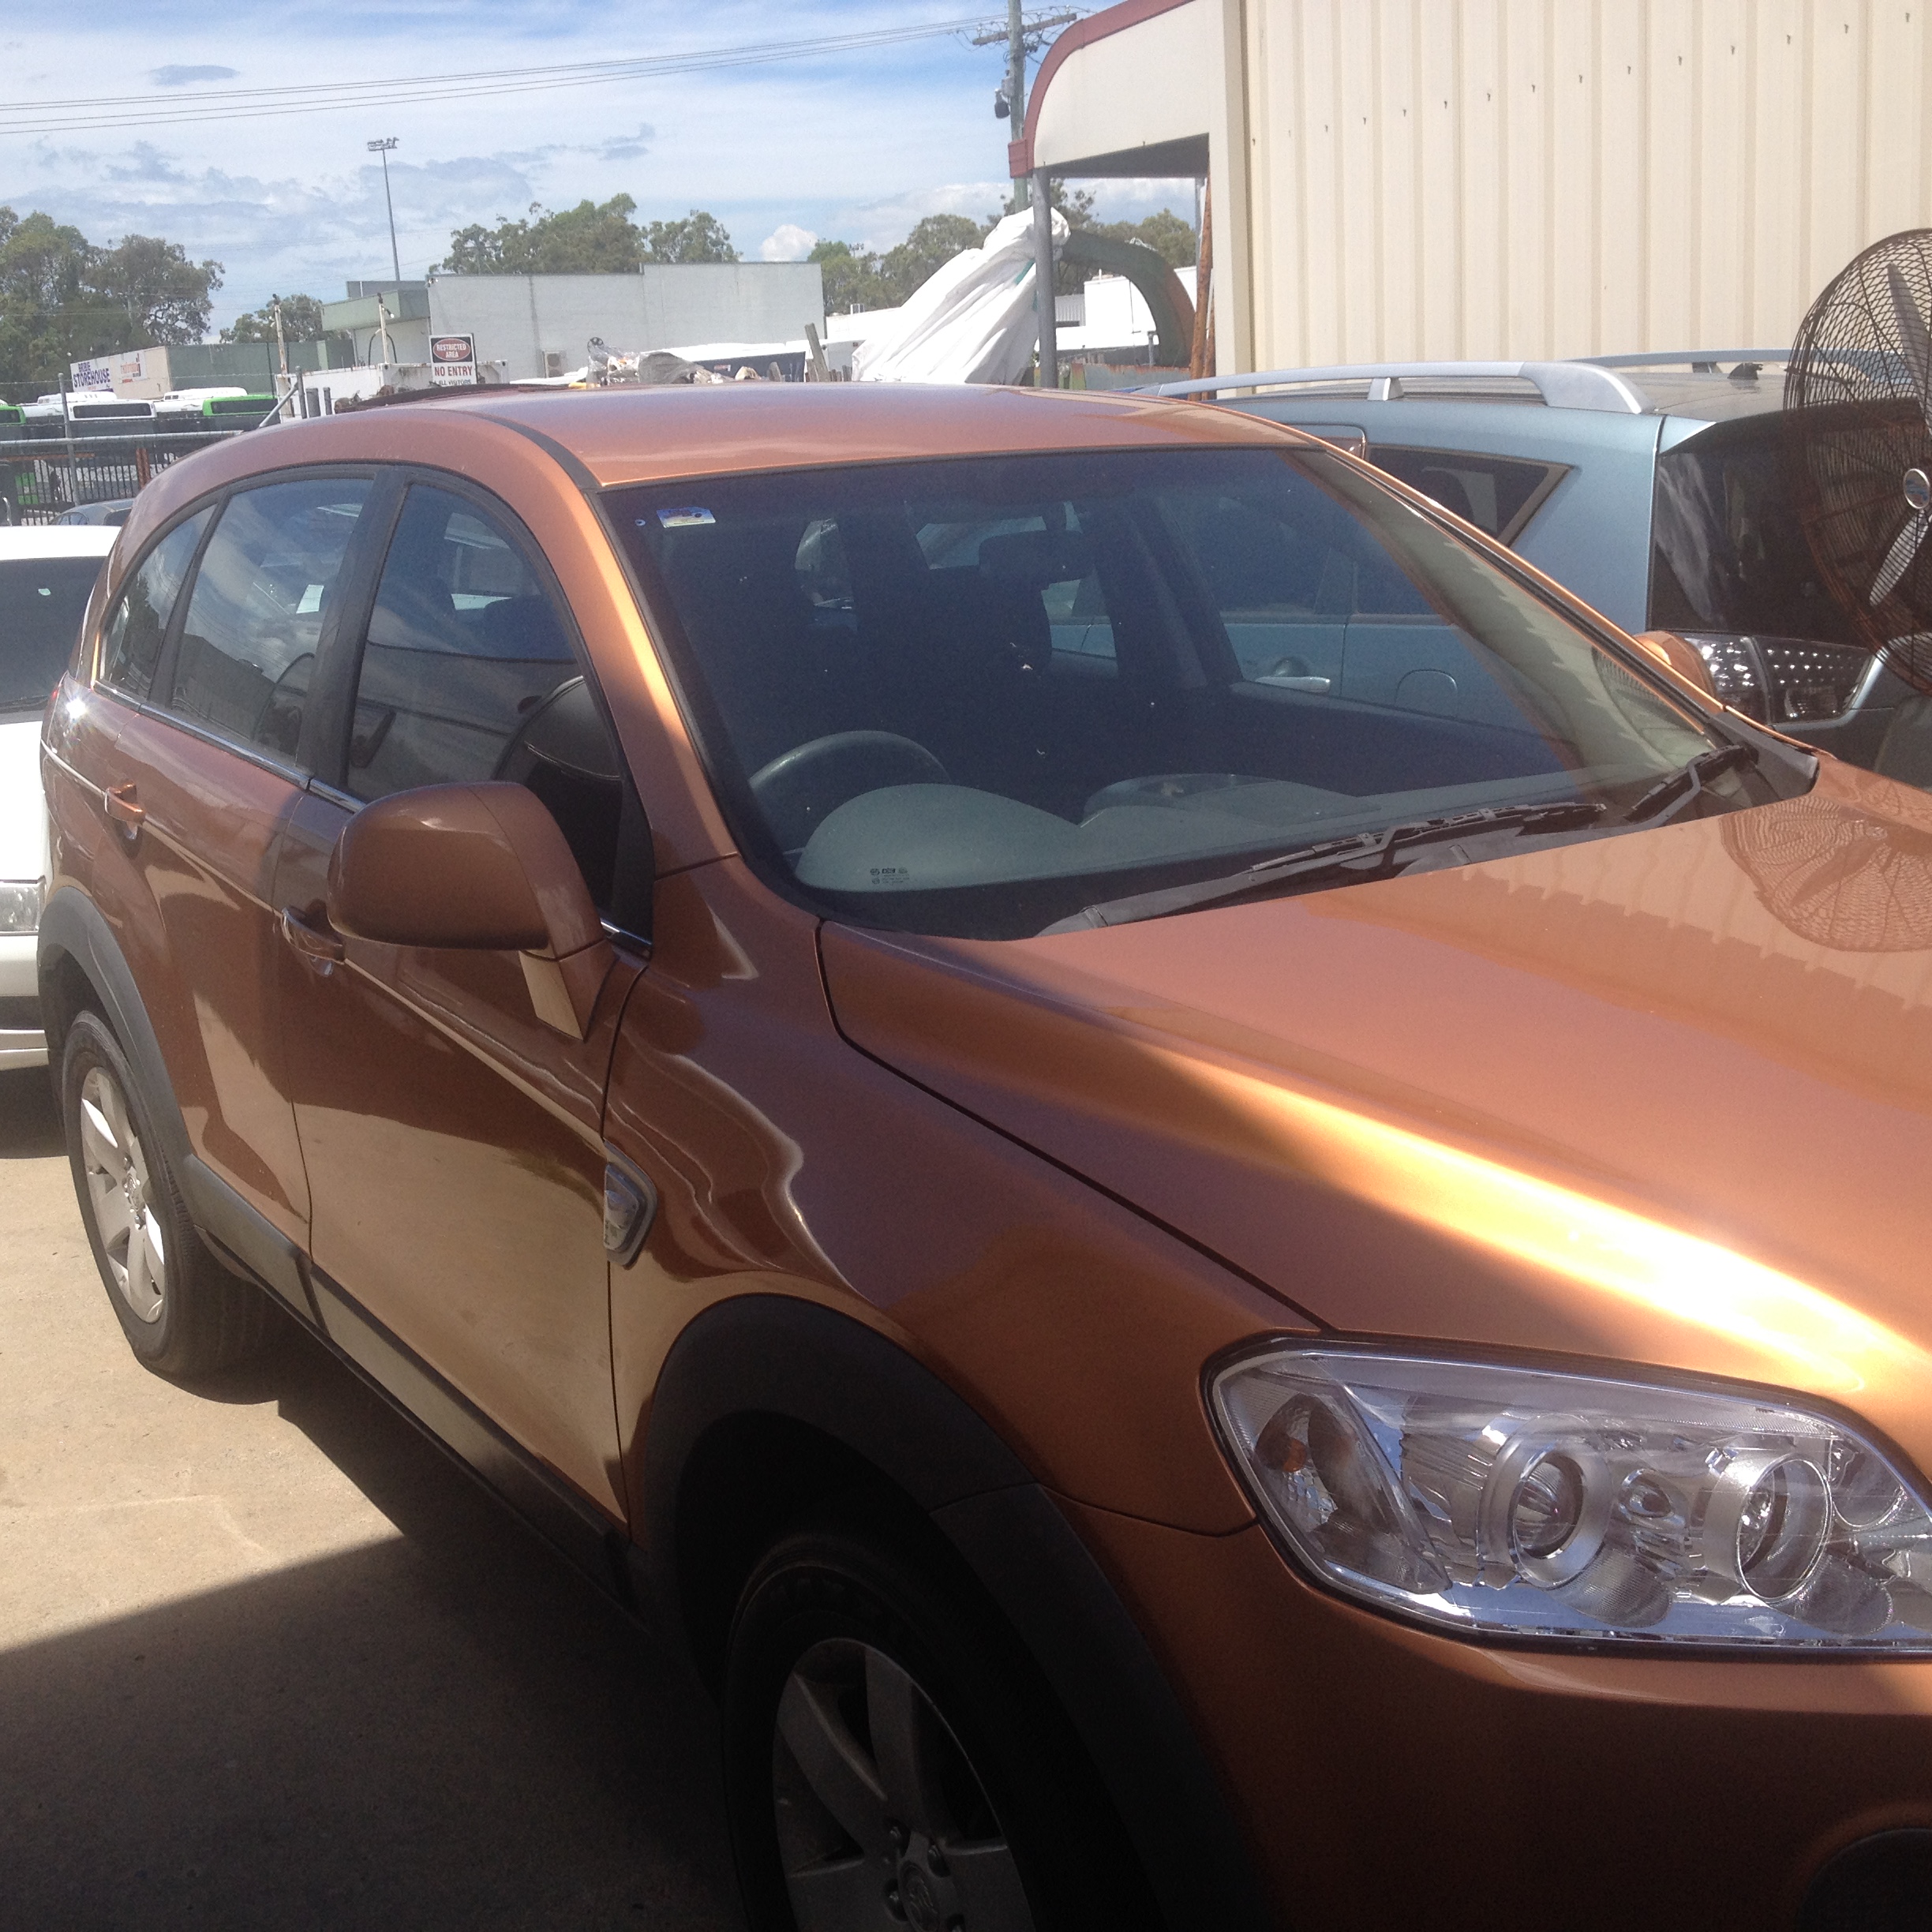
{"points": [[382, 148]]}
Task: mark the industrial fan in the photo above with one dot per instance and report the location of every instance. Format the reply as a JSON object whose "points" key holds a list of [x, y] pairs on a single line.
{"points": [[1858, 426]]}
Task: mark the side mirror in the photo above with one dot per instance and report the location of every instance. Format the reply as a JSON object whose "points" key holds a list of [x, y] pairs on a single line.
{"points": [[1680, 655], [480, 867]]}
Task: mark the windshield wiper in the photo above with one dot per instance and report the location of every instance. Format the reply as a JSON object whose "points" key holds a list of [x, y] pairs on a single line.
{"points": [[1365, 856], [1669, 796]]}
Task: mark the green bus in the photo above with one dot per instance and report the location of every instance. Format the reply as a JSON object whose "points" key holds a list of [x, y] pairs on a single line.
{"points": [[226, 408]]}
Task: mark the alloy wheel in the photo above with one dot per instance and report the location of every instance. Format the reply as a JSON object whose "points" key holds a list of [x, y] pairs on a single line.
{"points": [[119, 1184], [882, 1821]]}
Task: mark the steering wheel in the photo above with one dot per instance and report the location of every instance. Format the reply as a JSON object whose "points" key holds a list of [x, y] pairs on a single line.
{"points": [[800, 788]]}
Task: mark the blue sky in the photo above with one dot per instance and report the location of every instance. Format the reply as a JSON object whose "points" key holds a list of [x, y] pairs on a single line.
{"points": [[857, 146]]}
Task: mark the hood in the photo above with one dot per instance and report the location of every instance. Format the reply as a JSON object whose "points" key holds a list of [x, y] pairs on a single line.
{"points": [[1664, 1098]]}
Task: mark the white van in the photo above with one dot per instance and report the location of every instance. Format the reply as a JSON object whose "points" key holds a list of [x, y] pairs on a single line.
{"points": [[47, 573]]}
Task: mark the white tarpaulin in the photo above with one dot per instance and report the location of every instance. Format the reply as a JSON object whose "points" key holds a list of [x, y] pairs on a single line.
{"points": [[972, 322]]}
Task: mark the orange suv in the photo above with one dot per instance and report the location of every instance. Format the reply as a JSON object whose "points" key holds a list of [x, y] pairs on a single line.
{"points": [[1204, 1304]]}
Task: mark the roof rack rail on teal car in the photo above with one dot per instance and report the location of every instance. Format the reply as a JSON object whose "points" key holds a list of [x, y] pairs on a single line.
{"points": [[1582, 383]]}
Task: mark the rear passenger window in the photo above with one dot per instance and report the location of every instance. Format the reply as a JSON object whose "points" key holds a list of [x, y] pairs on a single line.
{"points": [[131, 642], [467, 676], [261, 595]]}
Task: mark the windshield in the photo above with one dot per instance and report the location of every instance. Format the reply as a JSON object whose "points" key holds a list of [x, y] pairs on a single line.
{"points": [[974, 697], [42, 602]]}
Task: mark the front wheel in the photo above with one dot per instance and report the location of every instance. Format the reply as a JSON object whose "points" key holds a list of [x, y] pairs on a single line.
{"points": [[893, 1762]]}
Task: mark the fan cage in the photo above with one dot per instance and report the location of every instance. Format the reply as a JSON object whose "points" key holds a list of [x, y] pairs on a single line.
{"points": [[1856, 398]]}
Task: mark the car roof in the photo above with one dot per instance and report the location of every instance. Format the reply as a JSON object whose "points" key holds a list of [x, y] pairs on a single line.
{"points": [[56, 540], [645, 435]]}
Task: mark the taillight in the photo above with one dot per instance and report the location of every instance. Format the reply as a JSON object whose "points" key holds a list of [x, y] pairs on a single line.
{"points": [[1784, 681]]}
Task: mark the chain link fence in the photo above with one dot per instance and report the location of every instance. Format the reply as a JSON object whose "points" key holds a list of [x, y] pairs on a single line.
{"points": [[42, 478]]}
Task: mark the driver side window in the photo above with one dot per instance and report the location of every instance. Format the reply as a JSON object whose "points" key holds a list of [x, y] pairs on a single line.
{"points": [[467, 676]]}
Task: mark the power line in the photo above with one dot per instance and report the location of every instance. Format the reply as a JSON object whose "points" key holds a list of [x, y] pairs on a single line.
{"points": [[319, 97]]}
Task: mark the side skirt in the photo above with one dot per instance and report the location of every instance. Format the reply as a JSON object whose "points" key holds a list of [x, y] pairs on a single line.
{"points": [[586, 1537]]}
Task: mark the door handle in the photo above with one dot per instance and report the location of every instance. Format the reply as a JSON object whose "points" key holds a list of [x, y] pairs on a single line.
{"points": [[120, 804], [317, 946]]}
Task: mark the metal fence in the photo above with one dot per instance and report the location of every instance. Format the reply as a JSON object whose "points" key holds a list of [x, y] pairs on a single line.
{"points": [[41, 478]]}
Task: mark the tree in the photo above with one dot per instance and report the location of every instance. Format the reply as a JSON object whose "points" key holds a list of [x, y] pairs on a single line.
{"points": [[302, 321], [62, 298], [42, 268], [588, 239], [852, 278], [698, 237], [1170, 237], [930, 245], [592, 238], [164, 296]]}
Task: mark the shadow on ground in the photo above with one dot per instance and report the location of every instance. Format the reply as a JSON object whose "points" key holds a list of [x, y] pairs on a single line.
{"points": [[445, 1728], [30, 1128]]}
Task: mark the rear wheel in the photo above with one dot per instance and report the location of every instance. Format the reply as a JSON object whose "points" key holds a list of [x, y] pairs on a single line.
{"points": [[891, 1762], [182, 1312]]}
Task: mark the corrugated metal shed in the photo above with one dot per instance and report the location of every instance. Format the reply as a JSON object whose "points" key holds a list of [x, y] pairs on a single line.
{"points": [[1505, 178]]}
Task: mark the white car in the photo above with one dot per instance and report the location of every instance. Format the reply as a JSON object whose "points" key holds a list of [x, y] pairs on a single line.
{"points": [[46, 575]]}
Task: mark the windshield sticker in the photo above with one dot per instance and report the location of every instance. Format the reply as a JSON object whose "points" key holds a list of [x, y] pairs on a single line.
{"points": [[683, 519]]}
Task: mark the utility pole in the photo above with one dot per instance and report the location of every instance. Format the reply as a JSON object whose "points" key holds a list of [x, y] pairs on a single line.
{"points": [[382, 148], [1015, 70], [1024, 36]]}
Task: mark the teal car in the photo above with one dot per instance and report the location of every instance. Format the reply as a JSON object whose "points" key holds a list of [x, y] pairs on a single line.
{"points": [[1650, 485]]}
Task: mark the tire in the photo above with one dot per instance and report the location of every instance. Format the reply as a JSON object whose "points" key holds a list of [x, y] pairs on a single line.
{"points": [[893, 1760], [182, 1312]]}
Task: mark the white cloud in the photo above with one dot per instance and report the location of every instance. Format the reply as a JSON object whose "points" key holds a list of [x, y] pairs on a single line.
{"points": [[881, 225], [788, 242], [284, 202], [185, 76]]}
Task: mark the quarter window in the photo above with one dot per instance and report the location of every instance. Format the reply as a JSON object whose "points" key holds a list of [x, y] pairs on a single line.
{"points": [[131, 643], [1498, 494], [264, 589]]}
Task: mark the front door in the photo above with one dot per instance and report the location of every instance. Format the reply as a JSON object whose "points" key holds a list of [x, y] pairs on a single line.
{"points": [[453, 1141]]}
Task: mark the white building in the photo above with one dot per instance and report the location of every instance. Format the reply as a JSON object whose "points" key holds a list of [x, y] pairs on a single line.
{"points": [[540, 325]]}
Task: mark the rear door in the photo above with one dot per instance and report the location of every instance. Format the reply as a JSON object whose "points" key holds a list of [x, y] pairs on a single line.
{"points": [[203, 706]]}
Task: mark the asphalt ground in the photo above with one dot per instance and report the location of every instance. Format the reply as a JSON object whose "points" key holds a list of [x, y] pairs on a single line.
{"points": [[269, 1659]]}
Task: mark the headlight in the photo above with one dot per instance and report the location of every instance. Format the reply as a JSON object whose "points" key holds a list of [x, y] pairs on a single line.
{"points": [[1521, 1503], [19, 907]]}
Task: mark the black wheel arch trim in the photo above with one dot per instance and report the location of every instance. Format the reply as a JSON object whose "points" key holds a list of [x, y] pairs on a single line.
{"points": [[72, 927], [762, 1356]]}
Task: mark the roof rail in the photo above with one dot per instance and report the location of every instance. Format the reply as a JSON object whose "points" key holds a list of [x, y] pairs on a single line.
{"points": [[1562, 385], [1694, 358]]}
